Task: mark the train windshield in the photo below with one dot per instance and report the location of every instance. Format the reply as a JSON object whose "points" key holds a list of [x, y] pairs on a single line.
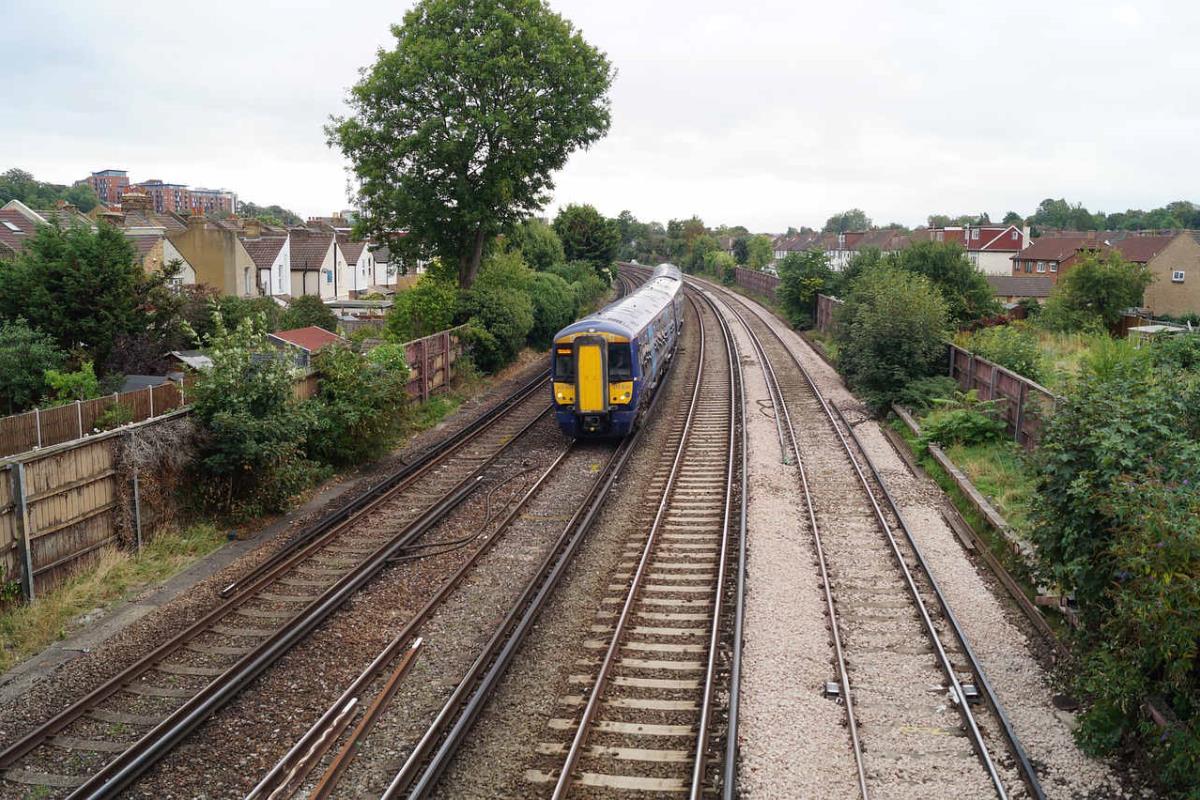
{"points": [[620, 362], [564, 363]]}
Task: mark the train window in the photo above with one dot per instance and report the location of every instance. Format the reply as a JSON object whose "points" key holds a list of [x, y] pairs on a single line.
{"points": [[564, 364], [620, 364]]}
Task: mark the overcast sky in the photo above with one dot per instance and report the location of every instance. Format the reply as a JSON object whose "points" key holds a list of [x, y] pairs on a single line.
{"points": [[766, 114]]}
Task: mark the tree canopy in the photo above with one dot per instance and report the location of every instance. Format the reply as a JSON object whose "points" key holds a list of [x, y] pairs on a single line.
{"points": [[272, 214], [308, 310], [1094, 292], [853, 220], [456, 131], [967, 293], [17, 184], [587, 235]]}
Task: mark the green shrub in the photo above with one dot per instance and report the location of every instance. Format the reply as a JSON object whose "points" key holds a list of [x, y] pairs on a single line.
{"points": [[26, 355], [889, 332], [114, 416], [305, 311], [505, 316], [67, 387], [250, 429], [1176, 351], [1011, 348], [801, 277], [553, 308], [506, 271], [358, 406], [1092, 294], [966, 291], [390, 356], [235, 309], [965, 426], [921, 393], [538, 244], [428, 307]]}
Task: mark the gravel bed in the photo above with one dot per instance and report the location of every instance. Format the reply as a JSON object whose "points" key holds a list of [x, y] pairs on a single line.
{"points": [[493, 761], [792, 740], [77, 677], [1010, 657]]}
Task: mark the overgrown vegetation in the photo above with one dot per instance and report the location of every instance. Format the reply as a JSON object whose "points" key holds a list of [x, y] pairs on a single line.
{"points": [[358, 408], [1011, 346], [802, 276], [890, 331], [1094, 292]]}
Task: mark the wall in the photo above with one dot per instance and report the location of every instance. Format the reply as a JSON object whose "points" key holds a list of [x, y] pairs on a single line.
{"points": [[1165, 297], [1025, 405], [756, 281], [210, 251], [826, 307]]}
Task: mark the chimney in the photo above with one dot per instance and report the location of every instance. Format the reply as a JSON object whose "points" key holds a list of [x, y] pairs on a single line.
{"points": [[1025, 237], [253, 228], [135, 201], [195, 221], [63, 205]]}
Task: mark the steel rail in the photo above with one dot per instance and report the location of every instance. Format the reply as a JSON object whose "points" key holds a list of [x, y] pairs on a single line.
{"points": [[1028, 775], [156, 743], [782, 412], [340, 518], [710, 674], [477, 686]]}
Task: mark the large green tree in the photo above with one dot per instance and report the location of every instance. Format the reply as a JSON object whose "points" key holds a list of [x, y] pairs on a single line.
{"points": [[17, 184], [537, 243], [853, 220], [26, 355], [966, 291], [1094, 292], [309, 311], [85, 289], [760, 251], [457, 130], [801, 277], [587, 235]]}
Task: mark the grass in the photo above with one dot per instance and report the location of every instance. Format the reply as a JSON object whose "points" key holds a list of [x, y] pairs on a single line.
{"points": [[1063, 354], [116, 575], [1002, 473], [825, 342]]}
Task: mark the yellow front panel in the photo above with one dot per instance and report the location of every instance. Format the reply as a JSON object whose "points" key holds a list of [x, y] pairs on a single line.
{"points": [[620, 393], [589, 368], [564, 393]]}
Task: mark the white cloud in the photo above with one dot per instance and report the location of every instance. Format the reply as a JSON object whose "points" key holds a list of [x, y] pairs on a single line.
{"points": [[764, 113]]}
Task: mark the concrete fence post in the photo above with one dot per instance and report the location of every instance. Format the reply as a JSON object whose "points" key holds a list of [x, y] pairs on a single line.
{"points": [[992, 385], [21, 509], [37, 425], [1020, 412], [150, 390], [137, 504], [79, 416]]}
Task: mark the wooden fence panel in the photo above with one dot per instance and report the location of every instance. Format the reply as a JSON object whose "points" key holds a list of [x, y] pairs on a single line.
{"points": [[1024, 405], [10, 569], [18, 433]]}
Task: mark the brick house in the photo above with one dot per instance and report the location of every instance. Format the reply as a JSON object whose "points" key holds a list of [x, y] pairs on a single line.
{"points": [[109, 185], [1052, 256], [1174, 261], [1015, 288]]}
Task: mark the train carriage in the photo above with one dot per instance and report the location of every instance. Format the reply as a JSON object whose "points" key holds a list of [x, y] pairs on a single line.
{"points": [[606, 366]]}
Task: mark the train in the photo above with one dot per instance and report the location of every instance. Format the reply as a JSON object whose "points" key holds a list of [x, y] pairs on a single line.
{"points": [[606, 366]]}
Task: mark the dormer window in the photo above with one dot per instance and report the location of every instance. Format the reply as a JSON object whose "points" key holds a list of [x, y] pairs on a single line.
{"points": [[12, 227], [1177, 276]]}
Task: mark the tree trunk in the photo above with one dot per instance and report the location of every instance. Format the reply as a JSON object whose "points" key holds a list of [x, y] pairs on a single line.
{"points": [[468, 266]]}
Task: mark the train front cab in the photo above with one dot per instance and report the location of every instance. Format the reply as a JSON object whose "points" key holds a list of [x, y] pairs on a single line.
{"points": [[595, 384]]}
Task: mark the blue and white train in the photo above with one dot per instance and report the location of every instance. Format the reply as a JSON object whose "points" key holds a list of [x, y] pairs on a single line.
{"points": [[606, 366]]}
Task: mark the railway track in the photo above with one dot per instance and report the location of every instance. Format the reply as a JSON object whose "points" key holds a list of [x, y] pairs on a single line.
{"points": [[650, 701], [904, 670], [101, 743]]}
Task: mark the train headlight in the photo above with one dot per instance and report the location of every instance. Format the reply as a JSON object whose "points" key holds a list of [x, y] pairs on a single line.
{"points": [[625, 397], [561, 397]]}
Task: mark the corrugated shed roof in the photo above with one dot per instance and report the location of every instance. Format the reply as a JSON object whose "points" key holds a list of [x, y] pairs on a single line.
{"points": [[311, 338]]}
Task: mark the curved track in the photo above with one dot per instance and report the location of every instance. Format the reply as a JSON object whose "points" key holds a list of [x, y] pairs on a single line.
{"points": [[894, 638]]}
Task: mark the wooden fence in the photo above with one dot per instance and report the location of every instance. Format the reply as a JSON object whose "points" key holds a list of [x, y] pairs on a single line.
{"points": [[431, 361], [825, 311], [756, 281], [59, 507], [1024, 405], [51, 426]]}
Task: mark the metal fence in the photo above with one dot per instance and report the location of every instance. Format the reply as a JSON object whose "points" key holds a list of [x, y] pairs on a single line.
{"points": [[1024, 405], [826, 307], [431, 361]]}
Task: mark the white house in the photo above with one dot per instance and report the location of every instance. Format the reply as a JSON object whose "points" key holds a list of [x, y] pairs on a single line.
{"points": [[314, 261], [272, 257], [360, 267]]}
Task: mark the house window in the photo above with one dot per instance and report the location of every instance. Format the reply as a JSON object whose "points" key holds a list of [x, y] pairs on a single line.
{"points": [[1029, 266], [1177, 276], [1054, 266], [975, 233], [1041, 266], [328, 276], [1014, 236]]}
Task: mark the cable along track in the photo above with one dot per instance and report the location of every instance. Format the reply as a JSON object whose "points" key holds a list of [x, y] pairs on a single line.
{"points": [[650, 703], [902, 662], [110, 736]]}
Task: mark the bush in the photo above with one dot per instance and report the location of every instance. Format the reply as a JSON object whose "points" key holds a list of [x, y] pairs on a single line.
{"points": [[500, 321], [26, 355], [889, 332], [1176, 351], [1092, 294], [553, 308], [303, 312], [965, 426], [966, 291], [921, 393], [1011, 348], [588, 287], [114, 416], [538, 244], [718, 263], [801, 277], [587, 235], [67, 387], [428, 307], [251, 431], [358, 406], [391, 357]]}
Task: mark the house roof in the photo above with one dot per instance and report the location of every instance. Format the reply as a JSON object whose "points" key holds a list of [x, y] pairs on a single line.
{"points": [[144, 243], [999, 239], [310, 339], [196, 359], [382, 254], [1020, 285], [1141, 249], [308, 248], [264, 249], [15, 229], [1058, 248], [141, 218], [134, 382], [351, 249], [66, 217]]}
